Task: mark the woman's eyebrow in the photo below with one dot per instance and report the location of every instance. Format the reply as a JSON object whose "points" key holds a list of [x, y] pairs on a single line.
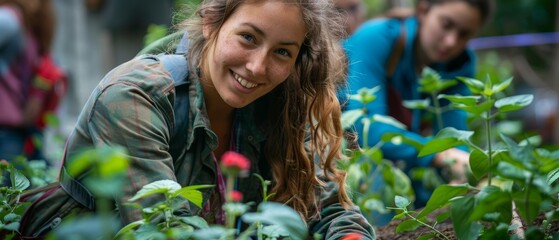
{"points": [[260, 32]]}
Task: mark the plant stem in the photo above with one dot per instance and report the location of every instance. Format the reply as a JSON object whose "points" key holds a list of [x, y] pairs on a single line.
{"points": [[426, 225], [230, 218], [438, 111], [527, 195], [489, 150]]}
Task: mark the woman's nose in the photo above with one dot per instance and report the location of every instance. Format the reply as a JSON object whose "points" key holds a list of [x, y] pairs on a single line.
{"points": [[256, 63]]}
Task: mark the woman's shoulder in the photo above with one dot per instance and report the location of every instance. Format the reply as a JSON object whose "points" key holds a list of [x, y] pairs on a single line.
{"points": [[145, 72], [381, 30]]}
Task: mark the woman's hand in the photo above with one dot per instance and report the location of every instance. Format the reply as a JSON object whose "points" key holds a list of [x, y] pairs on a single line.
{"points": [[457, 161]]}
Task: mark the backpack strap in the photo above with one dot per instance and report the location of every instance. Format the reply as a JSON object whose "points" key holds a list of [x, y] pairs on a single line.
{"points": [[177, 65], [397, 51], [393, 97]]}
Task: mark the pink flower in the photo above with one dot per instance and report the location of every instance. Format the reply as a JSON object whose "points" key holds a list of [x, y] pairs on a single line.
{"points": [[233, 163], [352, 236], [236, 196]]}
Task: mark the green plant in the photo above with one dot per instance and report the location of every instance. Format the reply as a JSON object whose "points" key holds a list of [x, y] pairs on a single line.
{"points": [[521, 179], [163, 219], [366, 165], [11, 208]]}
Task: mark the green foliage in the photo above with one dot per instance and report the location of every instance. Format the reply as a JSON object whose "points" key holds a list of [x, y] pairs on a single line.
{"points": [[11, 208], [367, 164], [520, 176]]}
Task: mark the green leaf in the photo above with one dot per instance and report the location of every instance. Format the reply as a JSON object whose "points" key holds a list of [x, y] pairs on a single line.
{"points": [[11, 217], [275, 232], [514, 102], [399, 216], [492, 199], [510, 171], [113, 161], [502, 86], [475, 86], [430, 235], [441, 197], [214, 232], [446, 138], [365, 95], [195, 221], [443, 217], [476, 110], [374, 205], [401, 202], [388, 120], [161, 186], [417, 104], [528, 204], [19, 181], [235, 208], [12, 226], [149, 231], [479, 163], [460, 209], [193, 196], [128, 228], [552, 176], [278, 214], [464, 100], [350, 117], [387, 137], [407, 225]]}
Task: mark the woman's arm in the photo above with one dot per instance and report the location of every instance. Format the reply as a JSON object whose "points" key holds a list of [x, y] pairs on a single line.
{"points": [[133, 109]]}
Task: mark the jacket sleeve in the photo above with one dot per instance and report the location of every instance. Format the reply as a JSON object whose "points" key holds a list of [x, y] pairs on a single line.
{"points": [[335, 222], [368, 50], [132, 108]]}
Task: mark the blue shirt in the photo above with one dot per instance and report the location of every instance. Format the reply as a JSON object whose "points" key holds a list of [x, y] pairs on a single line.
{"points": [[368, 50]]}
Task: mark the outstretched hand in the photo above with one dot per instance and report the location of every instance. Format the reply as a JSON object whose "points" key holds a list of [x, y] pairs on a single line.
{"points": [[457, 161]]}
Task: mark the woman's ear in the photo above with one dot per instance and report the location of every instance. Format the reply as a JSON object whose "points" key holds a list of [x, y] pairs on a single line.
{"points": [[207, 27], [206, 31]]}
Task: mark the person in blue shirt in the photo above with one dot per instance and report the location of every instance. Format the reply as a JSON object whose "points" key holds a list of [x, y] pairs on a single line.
{"points": [[436, 36]]}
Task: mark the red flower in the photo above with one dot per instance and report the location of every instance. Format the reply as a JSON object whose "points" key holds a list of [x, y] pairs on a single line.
{"points": [[236, 196], [352, 236], [233, 163]]}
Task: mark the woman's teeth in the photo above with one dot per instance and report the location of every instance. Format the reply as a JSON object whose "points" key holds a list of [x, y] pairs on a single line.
{"points": [[244, 82]]}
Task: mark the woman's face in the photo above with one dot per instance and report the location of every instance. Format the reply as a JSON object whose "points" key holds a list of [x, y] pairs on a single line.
{"points": [[255, 51], [446, 28]]}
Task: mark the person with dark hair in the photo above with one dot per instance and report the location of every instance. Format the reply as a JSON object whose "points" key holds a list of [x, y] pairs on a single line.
{"points": [[261, 82], [27, 29], [353, 13], [391, 53]]}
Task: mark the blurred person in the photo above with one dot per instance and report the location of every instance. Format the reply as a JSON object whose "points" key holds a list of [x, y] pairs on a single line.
{"points": [[391, 52], [353, 13], [126, 23], [27, 73]]}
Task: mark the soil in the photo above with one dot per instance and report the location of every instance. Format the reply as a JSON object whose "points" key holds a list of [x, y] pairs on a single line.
{"points": [[388, 232]]}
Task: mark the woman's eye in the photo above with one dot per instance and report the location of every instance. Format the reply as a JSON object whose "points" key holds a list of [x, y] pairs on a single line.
{"points": [[284, 52], [248, 37]]}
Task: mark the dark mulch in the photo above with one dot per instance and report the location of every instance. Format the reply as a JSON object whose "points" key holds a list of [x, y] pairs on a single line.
{"points": [[388, 232]]}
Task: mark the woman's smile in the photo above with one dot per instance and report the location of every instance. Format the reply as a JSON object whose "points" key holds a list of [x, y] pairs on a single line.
{"points": [[245, 83]]}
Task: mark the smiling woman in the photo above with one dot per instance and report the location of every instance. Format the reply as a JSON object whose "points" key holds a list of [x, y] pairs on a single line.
{"points": [[261, 83]]}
